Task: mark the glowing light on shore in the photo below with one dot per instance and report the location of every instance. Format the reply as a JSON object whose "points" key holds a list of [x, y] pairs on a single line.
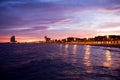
{"points": [[107, 36]]}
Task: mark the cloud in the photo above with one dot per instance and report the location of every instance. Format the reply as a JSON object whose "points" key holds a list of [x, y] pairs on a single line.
{"points": [[115, 1], [8, 21], [56, 4], [27, 29], [34, 16], [35, 28], [109, 25]]}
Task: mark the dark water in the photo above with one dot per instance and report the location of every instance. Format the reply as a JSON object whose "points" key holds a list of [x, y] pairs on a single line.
{"points": [[58, 62]]}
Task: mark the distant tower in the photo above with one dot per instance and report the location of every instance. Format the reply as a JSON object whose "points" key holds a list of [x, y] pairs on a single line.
{"points": [[47, 39], [12, 39]]}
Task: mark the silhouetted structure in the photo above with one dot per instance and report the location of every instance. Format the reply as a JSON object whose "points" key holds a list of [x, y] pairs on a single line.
{"points": [[70, 39], [73, 39], [47, 39], [12, 39], [100, 38], [107, 37], [97, 39], [114, 37]]}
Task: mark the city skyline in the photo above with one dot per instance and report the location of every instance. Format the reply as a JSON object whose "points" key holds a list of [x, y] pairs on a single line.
{"points": [[31, 20]]}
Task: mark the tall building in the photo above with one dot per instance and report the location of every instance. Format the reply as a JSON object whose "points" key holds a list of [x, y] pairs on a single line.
{"points": [[12, 39], [47, 39]]}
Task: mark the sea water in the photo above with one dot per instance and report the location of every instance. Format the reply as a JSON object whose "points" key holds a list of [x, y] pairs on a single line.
{"points": [[58, 62]]}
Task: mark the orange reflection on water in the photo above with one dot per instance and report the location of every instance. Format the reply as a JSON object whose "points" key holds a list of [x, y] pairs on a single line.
{"points": [[87, 59], [74, 60], [87, 56], [74, 49], [60, 45], [66, 50], [66, 46], [108, 61]]}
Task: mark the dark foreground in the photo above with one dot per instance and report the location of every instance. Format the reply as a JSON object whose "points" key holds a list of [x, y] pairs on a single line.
{"points": [[58, 62]]}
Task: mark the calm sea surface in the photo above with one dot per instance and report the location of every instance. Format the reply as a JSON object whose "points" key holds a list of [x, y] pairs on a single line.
{"points": [[58, 62]]}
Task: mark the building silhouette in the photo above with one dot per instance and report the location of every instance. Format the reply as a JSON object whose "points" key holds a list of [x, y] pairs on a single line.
{"points": [[107, 37], [47, 39], [12, 39]]}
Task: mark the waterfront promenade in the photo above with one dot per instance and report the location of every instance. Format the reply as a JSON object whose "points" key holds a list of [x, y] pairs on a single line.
{"points": [[98, 43]]}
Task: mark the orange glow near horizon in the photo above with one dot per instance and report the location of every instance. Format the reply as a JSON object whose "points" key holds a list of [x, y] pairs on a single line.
{"points": [[33, 39], [20, 39]]}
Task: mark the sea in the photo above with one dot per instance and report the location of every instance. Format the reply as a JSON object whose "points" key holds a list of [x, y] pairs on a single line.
{"points": [[58, 62]]}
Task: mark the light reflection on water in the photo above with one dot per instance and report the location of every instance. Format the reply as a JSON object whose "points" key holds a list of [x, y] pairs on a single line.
{"points": [[74, 49], [66, 50], [87, 56], [108, 61], [74, 54], [87, 61]]}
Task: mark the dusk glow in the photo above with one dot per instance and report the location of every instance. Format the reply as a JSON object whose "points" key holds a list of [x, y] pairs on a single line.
{"points": [[31, 20]]}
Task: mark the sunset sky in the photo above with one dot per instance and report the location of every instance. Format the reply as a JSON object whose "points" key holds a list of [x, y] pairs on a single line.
{"points": [[31, 20]]}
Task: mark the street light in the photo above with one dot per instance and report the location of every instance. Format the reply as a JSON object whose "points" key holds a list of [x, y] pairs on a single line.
{"points": [[107, 37]]}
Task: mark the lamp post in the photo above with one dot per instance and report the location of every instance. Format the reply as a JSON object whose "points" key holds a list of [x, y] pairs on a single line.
{"points": [[107, 37]]}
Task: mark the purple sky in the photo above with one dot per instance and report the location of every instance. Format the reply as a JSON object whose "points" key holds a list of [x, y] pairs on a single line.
{"points": [[31, 20]]}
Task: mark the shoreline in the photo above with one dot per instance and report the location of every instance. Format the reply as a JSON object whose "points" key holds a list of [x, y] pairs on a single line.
{"points": [[104, 45], [71, 43]]}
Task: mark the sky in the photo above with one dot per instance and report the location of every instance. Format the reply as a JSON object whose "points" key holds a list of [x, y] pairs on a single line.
{"points": [[31, 20]]}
